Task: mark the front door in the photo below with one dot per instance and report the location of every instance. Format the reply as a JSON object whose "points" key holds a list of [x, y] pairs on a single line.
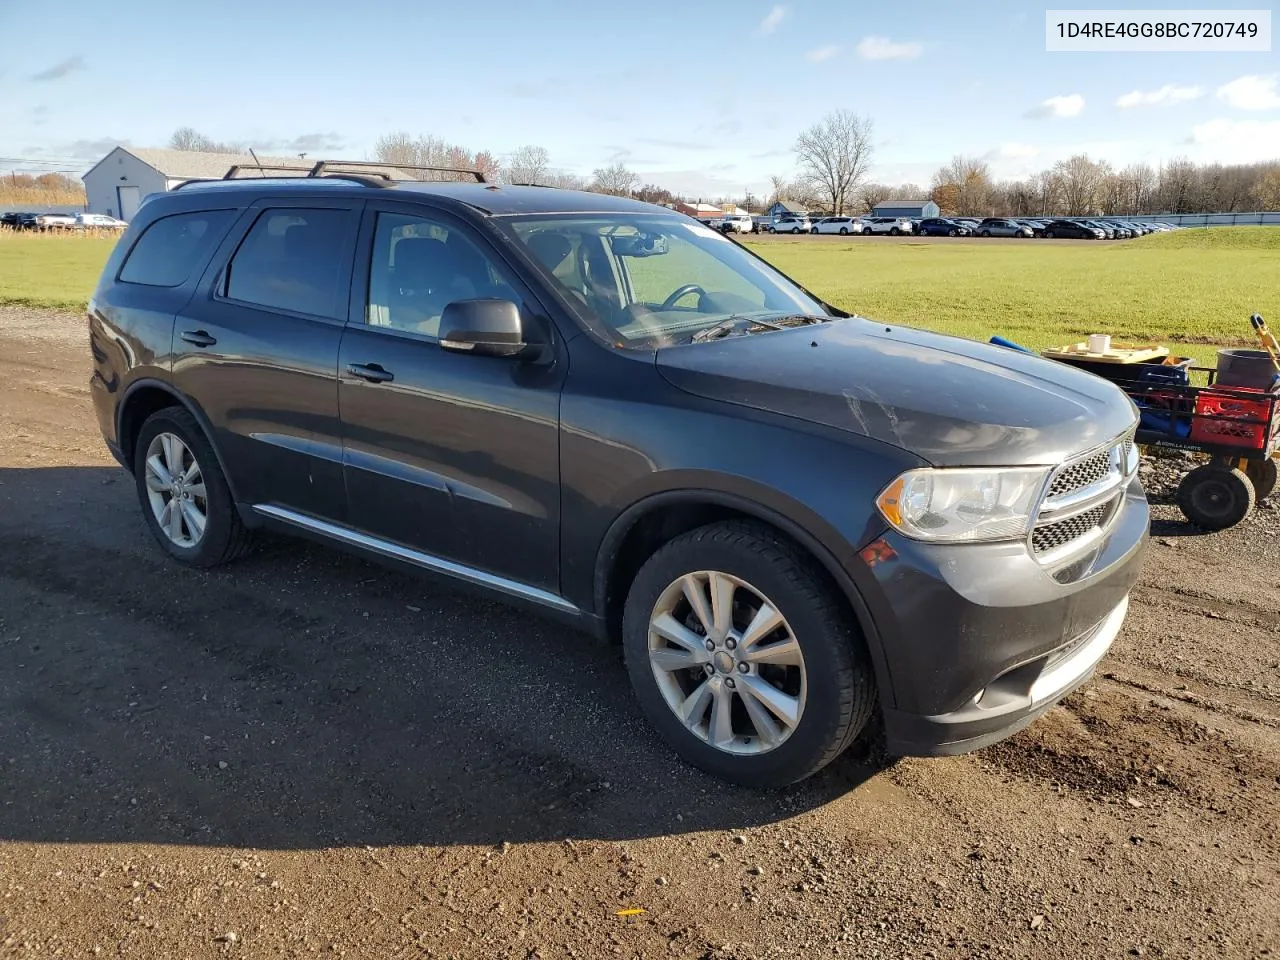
{"points": [[451, 455], [257, 349]]}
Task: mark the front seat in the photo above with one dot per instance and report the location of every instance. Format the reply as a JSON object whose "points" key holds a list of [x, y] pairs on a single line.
{"points": [[427, 279]]}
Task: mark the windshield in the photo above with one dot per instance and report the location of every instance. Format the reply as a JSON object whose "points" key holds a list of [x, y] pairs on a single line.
{"points": [[653, 280]]}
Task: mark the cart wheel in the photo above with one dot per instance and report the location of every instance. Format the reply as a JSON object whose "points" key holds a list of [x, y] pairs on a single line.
{"points": [[1263, 474], [1216, 497]]}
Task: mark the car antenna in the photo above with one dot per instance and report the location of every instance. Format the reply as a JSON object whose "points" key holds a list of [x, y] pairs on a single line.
{"points": [[261, 172]]}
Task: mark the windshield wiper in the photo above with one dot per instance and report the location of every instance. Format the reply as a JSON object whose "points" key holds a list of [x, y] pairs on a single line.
{"points": [[727, 326]]}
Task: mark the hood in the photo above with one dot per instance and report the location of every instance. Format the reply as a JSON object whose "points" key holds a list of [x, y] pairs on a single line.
{"points": [[950, 401]]}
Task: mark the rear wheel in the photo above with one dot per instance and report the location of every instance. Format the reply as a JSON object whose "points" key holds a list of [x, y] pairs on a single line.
{"points": [[184, 495], [1263, 473], [1216, 496], [743, 655], [844, 231]]}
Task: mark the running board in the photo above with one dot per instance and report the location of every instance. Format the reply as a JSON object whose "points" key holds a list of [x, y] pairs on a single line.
{"points": [[426, 561]]}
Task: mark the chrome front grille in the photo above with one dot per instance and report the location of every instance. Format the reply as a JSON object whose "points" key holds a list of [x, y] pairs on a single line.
{"points": [[1082, 473], [1083, 498], [1052, 536]]}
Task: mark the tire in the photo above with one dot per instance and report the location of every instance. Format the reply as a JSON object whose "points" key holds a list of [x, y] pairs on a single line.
{"points": [[772, 230], [953, 233], [1048, 234], [985, 233], [895, 232], [844, 231], [224, 536], [814, 231], [1215, 496], [1263, 474], [832, 681], [795, 230]]}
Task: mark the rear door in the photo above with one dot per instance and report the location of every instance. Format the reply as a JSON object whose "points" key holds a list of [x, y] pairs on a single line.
{"points": [[257, 349], [451, 455]]}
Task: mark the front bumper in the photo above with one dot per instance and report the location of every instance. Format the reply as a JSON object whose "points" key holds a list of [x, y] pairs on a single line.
{"points": [[979, 639], [1009, 703]]}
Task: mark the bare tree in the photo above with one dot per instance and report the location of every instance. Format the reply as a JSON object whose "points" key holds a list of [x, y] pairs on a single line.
{"points": [[834, 156], [425, 151], [1082, 181], [529, 164], [566, 181], [1267, 192], [188, 138], [970, 180], [615, 179], [1175, 192], [872, 193]]}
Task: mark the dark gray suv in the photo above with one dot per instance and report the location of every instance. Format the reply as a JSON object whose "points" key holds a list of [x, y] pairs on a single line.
{"points": [[793, 519]]}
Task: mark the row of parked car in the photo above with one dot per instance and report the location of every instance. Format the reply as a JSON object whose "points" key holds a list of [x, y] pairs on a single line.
{"points": [[45, 222], [1070, 228]]}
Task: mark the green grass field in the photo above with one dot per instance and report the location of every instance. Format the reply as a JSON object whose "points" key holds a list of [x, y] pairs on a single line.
{"points": [[50, 270], [1194, 287]]}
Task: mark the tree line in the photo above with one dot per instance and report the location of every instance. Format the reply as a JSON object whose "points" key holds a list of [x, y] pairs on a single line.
{"points": [[833, 159]]}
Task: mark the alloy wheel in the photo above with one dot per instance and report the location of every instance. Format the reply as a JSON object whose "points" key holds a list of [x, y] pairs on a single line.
{"points": [[176, 490], [727, 662]]}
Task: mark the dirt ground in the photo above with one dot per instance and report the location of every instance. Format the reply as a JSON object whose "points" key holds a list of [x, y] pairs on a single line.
{"points": [[305, 753]]}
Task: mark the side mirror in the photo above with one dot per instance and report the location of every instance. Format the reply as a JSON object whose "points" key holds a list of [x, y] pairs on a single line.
{"points": [[483, 328]]}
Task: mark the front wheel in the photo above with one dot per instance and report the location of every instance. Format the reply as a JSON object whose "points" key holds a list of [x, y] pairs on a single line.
{"points": [[796, 230], [844, 231], [1215, 496], [744, 656], [985, 233], [953, 233], [813, 230], [895, 232], [185, 498], [1048, 235]]}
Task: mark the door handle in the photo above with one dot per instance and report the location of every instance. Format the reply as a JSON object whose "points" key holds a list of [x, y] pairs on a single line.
{"points": [[370, 371], [199, 338]]}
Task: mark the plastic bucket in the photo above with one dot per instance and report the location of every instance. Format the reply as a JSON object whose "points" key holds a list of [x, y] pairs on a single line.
{"points": [[1245, 368]]}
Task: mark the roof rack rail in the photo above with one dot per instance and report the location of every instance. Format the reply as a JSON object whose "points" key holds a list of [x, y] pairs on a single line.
{"points": [[370, 173], [371, 179], [324, 166]]}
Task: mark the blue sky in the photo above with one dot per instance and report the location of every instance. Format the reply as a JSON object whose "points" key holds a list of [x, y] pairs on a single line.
{"points": [[701, 96]]}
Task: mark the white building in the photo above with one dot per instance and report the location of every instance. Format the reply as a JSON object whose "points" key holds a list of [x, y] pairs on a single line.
{"points": [[118, 182]]}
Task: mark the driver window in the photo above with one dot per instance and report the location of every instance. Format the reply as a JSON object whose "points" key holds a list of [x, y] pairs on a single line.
{"points": [[419, 267], [654, 279]]}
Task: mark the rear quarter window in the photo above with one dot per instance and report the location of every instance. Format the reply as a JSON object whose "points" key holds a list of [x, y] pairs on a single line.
{"points": [[171, 249]]}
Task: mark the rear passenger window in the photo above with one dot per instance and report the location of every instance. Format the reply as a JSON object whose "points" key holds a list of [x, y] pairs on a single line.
{"points": [[290, 260], [172, 247]]}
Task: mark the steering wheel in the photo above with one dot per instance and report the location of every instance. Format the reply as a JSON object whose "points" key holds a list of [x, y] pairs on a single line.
{"points": [[679, 293]]}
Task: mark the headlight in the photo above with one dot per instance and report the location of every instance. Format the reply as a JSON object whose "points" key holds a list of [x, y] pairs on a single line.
{"points": [[963, 505]]}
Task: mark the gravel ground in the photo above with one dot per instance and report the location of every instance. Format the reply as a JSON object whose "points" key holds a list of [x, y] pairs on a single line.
{"points": [[306, 753]]}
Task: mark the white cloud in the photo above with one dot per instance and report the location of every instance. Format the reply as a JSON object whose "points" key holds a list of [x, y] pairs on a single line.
{"points": [[1067, 106], [1169, 94], [882, 48], [1255, 92], [773, 18], [1237, 141], [822, 53]]}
